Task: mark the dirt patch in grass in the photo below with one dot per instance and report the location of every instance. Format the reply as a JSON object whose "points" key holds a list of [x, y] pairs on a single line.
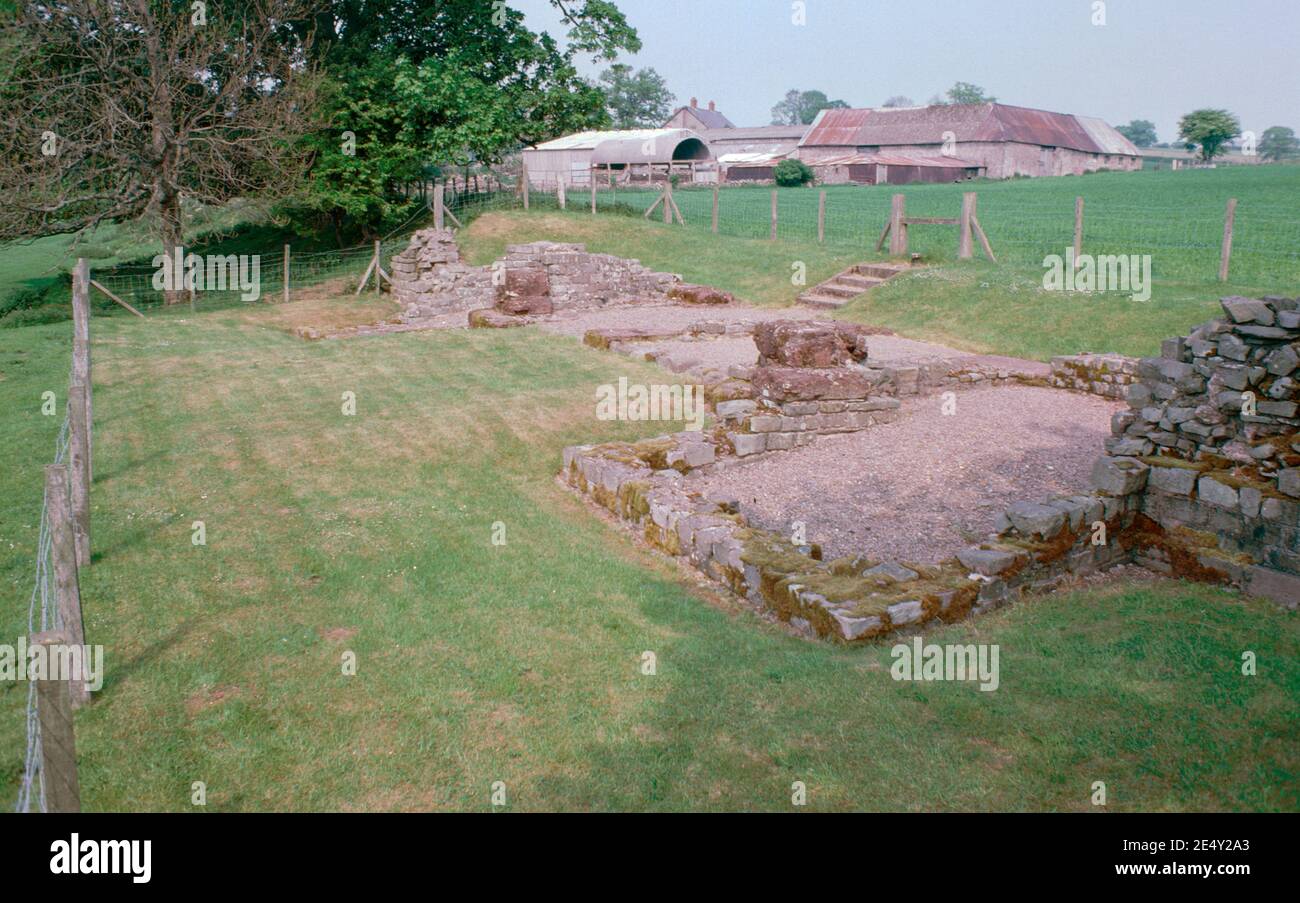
{"points": [[210, 697], [322, 310], [929, 485]]}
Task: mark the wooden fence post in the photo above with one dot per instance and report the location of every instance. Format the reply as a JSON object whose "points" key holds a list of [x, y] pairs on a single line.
{"points": [[439, 194], [81, 347], [58, 744], [1225, 255], [79, 471], [1078, 229], [715, 209], [523, 178], [668, 199], [592, 176], [965, 244], [897, 229], [286, 274], [67, 591], [377, 243], [561, 195], [821, 217], [772, 231]]}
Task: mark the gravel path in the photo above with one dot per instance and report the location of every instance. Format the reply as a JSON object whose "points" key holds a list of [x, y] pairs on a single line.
{"points": [[669, 317], [929, 485]]}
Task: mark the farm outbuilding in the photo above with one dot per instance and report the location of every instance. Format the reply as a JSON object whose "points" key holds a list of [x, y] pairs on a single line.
{"points": [[894, 169], [628, 155], [1000, 141]]}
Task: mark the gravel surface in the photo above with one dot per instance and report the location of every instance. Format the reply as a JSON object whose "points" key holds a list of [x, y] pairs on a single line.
{"points": [[929, 485], [668, 317]]}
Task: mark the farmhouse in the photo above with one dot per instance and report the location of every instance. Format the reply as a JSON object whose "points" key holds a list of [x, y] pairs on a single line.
{"points": [[695, 119], [938, 143], [636, 155]]}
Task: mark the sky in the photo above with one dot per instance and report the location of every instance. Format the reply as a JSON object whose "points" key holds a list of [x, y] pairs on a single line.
{"points": [[1152, 59]]}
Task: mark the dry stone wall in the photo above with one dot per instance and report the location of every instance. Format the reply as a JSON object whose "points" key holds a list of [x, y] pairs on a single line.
{"points": [[1213, 434], [1107, 375], [430, 279]]}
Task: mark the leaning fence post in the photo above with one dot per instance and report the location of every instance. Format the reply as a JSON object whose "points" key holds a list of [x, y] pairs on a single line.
{"points": [[821, 217], [1225, 255], [965, 246], [63, 551], [286, 274], [897, 228], [81, 344], [79, 461], [58, 745]]}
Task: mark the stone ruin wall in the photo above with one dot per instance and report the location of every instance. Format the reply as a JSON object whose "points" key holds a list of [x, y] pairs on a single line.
{"points": [[1212, 426], [532, 279], [1190, 484]]}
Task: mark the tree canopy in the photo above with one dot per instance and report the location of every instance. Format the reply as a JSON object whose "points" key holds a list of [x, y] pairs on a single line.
{"points": [[1208, 130], [802, 107], [636, 99], [1141, 132], [1278, 143], [965, 92]]}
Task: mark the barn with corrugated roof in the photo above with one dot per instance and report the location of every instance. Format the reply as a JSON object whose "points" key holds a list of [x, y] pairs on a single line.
{"points": [[948, 142]]}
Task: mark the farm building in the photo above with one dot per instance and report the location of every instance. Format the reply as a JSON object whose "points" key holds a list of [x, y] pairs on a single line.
{"points": [[952, 141], [636, 155], [751, 154], [697, 120]]}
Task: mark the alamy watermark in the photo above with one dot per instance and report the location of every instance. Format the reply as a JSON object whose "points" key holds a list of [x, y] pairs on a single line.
{"points": [[180, 272], [25, 661], [634, 401], [918, 661], [1129, 273]]}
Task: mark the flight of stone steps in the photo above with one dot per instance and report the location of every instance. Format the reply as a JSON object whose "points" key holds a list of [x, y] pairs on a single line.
{"points": [[843, 287]]}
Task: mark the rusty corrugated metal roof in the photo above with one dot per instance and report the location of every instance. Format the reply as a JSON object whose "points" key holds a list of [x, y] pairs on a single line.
{"points": [[894, 159], [835, 128], [1107, 137]]}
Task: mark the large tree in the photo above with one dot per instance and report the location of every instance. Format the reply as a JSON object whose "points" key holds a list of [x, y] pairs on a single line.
{"points": [[636, 99], [1278, 143], [421, 83], [118, 109], [1141, 132], [1208, 130], [802, 107], [900, 100]]}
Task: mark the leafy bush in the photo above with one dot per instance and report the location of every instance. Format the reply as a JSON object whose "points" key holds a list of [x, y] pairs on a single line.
{"points": [[32, 316], [790, 173]]}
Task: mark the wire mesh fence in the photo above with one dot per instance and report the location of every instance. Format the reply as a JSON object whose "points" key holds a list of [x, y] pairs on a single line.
{"points": [[1184, 240]]}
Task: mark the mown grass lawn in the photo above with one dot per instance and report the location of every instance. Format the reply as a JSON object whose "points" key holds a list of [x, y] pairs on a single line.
{"points": [[521, 663]]}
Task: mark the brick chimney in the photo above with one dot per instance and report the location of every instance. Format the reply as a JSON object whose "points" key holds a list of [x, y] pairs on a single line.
{"points": [[694, 103], [712, 108]]}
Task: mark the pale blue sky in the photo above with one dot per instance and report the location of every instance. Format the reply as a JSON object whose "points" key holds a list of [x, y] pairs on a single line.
{"points": [[1154, 59]]}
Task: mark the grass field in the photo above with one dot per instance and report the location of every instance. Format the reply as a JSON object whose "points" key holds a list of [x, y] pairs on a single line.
{"points": [[1176, 217], [998, 309], [520, 663]]}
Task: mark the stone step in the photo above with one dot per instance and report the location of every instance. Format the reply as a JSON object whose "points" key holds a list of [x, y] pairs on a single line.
{"points": [[879, 271], [838, 289], [861, 283], [815, 299]]}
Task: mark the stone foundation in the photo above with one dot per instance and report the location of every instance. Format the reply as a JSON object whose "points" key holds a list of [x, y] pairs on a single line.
{"points": [[1107, 375], [530, 280]]}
